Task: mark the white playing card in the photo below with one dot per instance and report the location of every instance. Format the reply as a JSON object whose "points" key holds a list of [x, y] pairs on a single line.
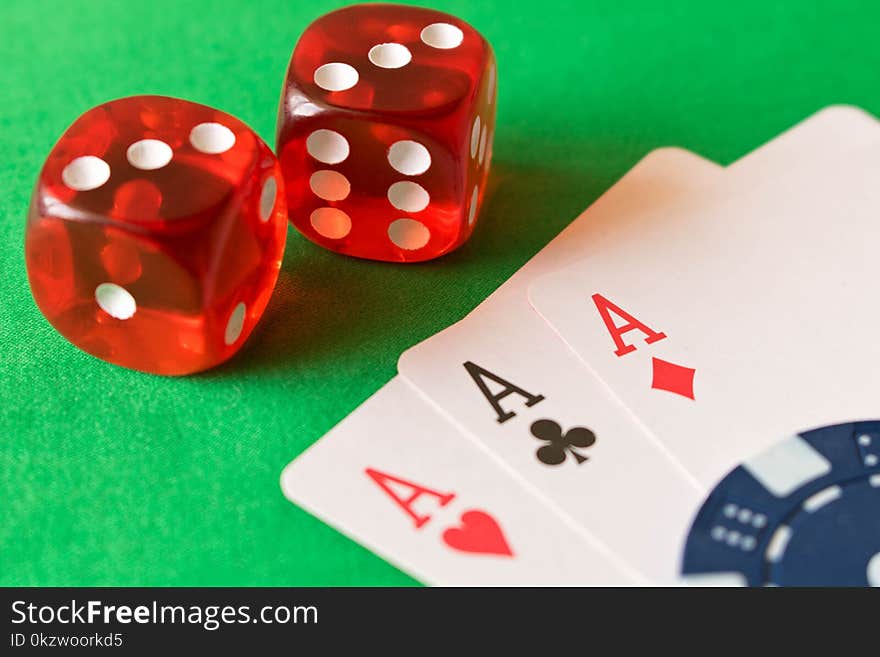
{"points": [[536, 408], [748, 312], [397, 478]]}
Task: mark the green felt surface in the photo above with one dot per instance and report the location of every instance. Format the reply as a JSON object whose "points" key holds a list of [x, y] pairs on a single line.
{"points": [[111, 477]]}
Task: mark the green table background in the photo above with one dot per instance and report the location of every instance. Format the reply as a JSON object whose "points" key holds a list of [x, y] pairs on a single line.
{"points": [[111, 477]]}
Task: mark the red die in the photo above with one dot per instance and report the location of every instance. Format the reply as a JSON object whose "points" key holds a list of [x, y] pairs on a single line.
{"points": [[155, 234], [385, 131]]}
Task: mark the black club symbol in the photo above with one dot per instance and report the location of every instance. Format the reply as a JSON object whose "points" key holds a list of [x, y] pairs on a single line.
{"points": [[559, 443]]}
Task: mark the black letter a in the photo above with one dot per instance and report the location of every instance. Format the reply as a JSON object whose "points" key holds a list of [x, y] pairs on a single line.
{"points": [[478, 374]]}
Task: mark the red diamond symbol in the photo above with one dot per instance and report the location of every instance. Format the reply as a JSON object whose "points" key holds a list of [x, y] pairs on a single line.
{"points": [[673, 378]]}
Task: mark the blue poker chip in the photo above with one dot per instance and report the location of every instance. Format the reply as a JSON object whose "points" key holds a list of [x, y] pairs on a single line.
{"points": [[805, 512]]}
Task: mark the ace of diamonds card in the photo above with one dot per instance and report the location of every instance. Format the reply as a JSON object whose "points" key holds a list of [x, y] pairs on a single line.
{"points": [[734, 324]]}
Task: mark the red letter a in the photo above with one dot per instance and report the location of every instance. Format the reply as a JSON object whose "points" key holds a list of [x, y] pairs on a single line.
{"points": [[605, 308], [415, 491]]}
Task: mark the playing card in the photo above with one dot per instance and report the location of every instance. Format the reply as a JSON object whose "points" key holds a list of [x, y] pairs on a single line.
{"points": [[748, 311], [505, 380], [397, 478]]}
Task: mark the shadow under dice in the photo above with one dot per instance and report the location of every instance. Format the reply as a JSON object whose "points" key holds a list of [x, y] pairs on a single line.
{"points": [[155, 234], [385, 131]]}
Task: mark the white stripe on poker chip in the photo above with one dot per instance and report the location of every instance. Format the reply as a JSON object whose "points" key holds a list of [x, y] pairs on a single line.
{"points": [[115, 300], [389, 55], [409, 157], [442, 35], [235, 324], [329, 185], [822, 498], [408, 196], [86, 173], [149, 154], [211, 138], [715, 580], [482, 151], [408, 234], [331, 223], [874, 570], [336, 76], [475, 136], [787, 465], [267, 198], [778, 543], [327, 146]]}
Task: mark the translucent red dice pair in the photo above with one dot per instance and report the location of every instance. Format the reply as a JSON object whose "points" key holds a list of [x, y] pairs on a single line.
{"points": [[155, 234], [385, 131], [157, 226]]}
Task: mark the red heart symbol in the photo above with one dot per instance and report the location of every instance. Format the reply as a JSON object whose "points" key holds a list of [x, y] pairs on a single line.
{"points": [[478, 532]]}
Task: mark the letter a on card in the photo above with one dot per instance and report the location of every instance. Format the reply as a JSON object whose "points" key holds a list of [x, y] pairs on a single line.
{"points": [[410, 493], [480, 376], [605, 308]]}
